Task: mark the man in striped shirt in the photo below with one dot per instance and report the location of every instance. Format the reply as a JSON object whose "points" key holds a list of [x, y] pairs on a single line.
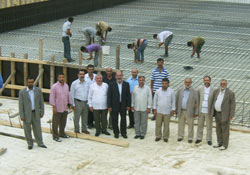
{"points": [[157, 75]]}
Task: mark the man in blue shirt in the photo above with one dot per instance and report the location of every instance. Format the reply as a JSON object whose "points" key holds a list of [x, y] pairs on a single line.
{"points": [[133, 81]]}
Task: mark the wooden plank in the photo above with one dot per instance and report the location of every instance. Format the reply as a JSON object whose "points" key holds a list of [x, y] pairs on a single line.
{"points": [[40, 50], [14, 136], [25, 70], [2, 151], [7, 82], [0, 61], [117, 65], [80, 58], [65, 71], [52, 71], [100, 59], [75, 135], [13, 80], [41, 75], [18, 87]]}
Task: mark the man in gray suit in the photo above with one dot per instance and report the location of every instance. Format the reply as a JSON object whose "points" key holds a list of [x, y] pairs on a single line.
{"points": [[186, 109], [205, 97], [31, 109], [223, 109]]}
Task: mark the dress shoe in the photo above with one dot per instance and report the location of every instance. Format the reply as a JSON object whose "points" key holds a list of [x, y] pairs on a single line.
{"points": [[57, 139], [157, 139], [85, 132], [42, 146], [217, 145], [106, 133], [91, 126], [209, 143], [165, 140], [97, 134], [116, 136], [142, 137], [190, 141], [124, 136], [30, 147], [137, 136], [222, 148], [65, 136], [179, 139], [130, 126], [197, 141], [110, 127]]}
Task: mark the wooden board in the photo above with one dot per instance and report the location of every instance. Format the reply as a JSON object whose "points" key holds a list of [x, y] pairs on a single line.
{"points": [[74, 135], [2, 151]]}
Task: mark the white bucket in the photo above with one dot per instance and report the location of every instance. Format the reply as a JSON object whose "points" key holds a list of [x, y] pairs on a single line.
{"points": [[105, 50]]}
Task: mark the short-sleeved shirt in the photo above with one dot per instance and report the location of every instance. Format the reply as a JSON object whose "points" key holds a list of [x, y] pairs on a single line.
{"points": [[157, 77], [132, 83], [102, 25], [90, 30], [163, 35], [198, 41], [65, 27], [93, 47]]}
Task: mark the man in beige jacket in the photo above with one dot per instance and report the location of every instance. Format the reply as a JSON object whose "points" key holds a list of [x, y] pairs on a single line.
{"points": [[205, 96], [186, 109], [223, 110]]}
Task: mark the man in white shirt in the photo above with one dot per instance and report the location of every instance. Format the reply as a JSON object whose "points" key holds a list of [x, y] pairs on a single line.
{"points": [[164, 107], [79, 93], [97, 101], [224, 110], [205, 95], [66, 34], [165, 38], [141, 105], [89, 33], [90, 79]]}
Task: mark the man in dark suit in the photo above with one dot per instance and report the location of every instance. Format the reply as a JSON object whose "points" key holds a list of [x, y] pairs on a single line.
{"points": [[31, 109], [119, 101]]}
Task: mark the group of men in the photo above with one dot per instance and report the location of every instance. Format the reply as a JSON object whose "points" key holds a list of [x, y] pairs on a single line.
{"points": [[102, 95], [101, 30]]}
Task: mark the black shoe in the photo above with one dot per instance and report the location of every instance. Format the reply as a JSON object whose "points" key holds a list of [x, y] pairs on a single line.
{"points": [[65, 136], [124, 136], [142, 137], [97, 134], [110, 127], [70, 60], [116, 136], [190, 141], [130, 126], [57, 139], [153, 118], [42, 146], [90, 126], [197, 141], [209, 143], [137, 136], [157, 139], [179, 139], [30, 147], [106, 133], [165, 140]]}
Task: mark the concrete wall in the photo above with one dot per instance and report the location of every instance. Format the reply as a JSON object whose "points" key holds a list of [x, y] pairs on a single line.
{"points": [[26, 15]]}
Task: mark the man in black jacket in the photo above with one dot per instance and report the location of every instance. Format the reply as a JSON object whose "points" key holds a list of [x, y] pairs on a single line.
{"points": [[119, 101]]}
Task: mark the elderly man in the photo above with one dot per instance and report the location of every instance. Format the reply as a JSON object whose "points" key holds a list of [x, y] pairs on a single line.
{"points": [[133, 81], [196, 43], [66, 34], [223, 109], [79, 93], [157, 75], [205, 96], [164, 107], [119, 101], [31, 109], [186, 109], [141, 105], [59, 99], [97, 101], [165, 37]]}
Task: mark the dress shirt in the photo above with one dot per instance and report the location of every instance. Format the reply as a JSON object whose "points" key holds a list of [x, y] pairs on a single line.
{"points": [[60, 97], [141, 98], [120, 90], [132, 83], [185, 98], [79, 90], [32, 99], [97, 97], [204, 108], [65, 27], [89, 80], [164, 101], [219, 101]]}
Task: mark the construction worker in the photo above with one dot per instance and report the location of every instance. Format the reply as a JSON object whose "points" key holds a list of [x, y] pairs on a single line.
{"points": [[89, 33], [197, 44], [165, 38], [102, 29], [96, 48], [138, 46]]}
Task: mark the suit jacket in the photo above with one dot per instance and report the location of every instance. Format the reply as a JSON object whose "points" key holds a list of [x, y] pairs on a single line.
{"points": [[114, 96], [210, 99], [192, 101], [227, 105], [25, 109]]}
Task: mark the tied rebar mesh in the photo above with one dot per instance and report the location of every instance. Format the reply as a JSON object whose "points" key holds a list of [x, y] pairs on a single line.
{"points": [[225, 55]]}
